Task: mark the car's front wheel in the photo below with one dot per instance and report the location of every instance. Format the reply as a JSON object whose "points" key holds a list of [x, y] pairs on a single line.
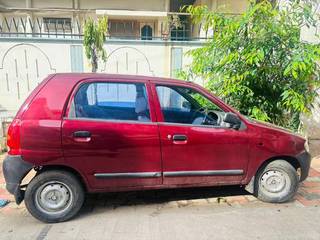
{"points": [[54, 196], [277, 182]]}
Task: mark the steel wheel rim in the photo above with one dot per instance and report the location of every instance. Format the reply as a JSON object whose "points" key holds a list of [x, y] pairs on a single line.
{"points": [[54, 198], [275, 181]]}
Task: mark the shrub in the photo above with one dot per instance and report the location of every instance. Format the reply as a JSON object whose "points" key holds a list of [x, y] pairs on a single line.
{"points": [[257, 61]]}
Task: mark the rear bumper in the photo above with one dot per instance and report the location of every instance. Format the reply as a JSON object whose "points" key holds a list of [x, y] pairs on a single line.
{"points": [[14, 170], [304, 160]]}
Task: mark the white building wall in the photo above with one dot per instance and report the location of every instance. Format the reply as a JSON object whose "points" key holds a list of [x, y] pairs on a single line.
{"points": [[150, 5], [311, 34], [312, 124], [24, 64]]}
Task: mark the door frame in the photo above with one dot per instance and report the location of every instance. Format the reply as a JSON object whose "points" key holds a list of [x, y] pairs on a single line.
{"points": [[161, 122], [153, 118]]}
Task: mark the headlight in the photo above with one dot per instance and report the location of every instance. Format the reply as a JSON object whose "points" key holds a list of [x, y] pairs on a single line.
{"points": [[306, 146]]}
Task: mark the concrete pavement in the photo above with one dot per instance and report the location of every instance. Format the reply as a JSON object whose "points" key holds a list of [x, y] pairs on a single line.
{"points": [[206, 213], [171, 221]]}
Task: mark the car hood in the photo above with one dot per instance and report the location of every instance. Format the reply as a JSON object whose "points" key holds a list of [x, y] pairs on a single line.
{"points": [[274, 127]]}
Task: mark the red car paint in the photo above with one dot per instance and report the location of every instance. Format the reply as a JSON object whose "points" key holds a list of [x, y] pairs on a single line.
{"points": [[45, 138]]}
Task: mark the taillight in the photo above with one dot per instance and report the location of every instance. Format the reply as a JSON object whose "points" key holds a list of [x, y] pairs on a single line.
{"points": [[13, 137]]}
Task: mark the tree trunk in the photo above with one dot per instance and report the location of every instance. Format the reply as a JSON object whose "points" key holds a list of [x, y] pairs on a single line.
{"points": [[94, 62]]}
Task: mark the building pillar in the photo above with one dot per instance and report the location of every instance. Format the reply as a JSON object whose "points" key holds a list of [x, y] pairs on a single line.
{"points": [[75, 4], [28, 3], [167, 5]]}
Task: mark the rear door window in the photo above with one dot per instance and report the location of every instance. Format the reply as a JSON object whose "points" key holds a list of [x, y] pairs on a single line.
{"points": [[111, 101]]}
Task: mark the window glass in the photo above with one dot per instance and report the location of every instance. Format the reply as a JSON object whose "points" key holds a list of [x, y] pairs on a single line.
{"points": [[123, 28], [118, 101], [57, 24], [146, 32], [170, 99], [187, 106]]}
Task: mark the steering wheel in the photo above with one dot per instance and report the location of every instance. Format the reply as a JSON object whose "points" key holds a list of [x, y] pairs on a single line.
{"points": [[205, 112], [218, 115], [202, 111], [207, 119]]}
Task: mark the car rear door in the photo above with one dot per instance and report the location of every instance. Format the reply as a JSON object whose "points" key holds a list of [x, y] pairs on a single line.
{"points": [[109, 132], [193, 153]]}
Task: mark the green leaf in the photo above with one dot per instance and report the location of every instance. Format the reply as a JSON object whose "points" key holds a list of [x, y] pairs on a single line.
{"points": [[94, 36], [256, 61]]}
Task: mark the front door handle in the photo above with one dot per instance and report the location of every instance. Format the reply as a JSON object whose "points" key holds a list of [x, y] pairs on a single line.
{"points": [[179, 139], [82, 136]]}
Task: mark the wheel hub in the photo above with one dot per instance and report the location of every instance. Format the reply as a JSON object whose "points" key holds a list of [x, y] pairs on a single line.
{"points": [[53, 197], [273, 181]]}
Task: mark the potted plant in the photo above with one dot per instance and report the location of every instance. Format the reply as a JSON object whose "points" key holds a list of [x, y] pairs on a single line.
{"points": [[171, 22]]}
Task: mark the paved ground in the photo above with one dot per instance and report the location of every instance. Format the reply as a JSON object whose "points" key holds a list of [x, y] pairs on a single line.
{"points": [[207, 213]]}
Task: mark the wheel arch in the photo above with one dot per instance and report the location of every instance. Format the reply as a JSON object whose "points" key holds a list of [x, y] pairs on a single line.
{"points": [[69, 169], [290, 159]]}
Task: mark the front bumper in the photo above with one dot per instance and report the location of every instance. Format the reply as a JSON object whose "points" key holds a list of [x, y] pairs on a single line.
{"points": [[14, 170], [304, 160]]}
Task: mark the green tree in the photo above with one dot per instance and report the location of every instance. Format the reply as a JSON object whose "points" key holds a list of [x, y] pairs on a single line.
{"points": [[94, 36], [257, 61]]}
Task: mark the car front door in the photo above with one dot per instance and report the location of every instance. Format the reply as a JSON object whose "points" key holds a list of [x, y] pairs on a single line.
{"points": [[197, 147], [110, 135]]}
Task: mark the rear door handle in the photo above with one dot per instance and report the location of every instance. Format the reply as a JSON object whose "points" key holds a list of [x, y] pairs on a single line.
{"points": [[82, 136]]}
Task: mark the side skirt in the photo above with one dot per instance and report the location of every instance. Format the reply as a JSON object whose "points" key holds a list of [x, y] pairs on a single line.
{"points": [[233, 172], [204, 173]]}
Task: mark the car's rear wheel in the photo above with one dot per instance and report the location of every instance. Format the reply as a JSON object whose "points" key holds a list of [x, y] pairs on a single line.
{"points": [[54, 196], [277, 182]]}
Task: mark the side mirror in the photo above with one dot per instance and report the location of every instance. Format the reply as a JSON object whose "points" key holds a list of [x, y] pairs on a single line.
{"points": [[232, 119]]}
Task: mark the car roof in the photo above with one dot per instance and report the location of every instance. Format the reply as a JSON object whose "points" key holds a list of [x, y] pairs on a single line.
{"points": [[116, 77]]}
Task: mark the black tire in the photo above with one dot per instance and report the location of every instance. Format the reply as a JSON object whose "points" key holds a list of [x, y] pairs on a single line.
{"points": [[276, 192], [67, 185]]}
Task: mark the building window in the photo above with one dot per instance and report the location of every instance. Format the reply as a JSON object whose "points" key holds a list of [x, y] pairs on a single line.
{"points": [[176, 60], [181, 33], [123, 29], [56, 25], [146, 32]]}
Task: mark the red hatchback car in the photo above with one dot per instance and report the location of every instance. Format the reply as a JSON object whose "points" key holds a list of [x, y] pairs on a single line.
{"points": [[101, 133]]}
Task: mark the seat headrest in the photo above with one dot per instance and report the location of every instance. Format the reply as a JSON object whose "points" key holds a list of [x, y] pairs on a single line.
{"points": [[141, 104]]}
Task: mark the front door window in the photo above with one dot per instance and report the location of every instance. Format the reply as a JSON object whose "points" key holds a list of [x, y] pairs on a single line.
{"points": [[187, 106]]}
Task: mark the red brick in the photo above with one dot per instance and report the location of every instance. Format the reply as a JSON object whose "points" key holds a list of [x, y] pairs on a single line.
{"points": [[314, 173], [6, 210], [306, 202], [237, 199], [313, 190], [3, 191], [307, 184], [7, 197], [309, 203]]}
